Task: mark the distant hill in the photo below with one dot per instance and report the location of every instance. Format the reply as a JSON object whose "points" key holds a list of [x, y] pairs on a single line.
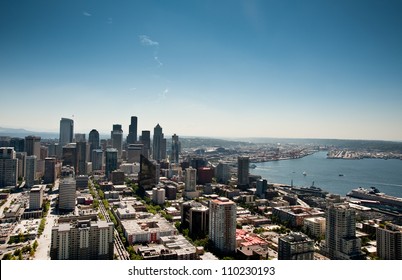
{"points": [[196, 142], [19, 132]]}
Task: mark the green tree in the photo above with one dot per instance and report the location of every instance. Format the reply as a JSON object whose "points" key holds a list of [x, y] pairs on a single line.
{"points": [[7, 256], [95, 204], [21, 237]]}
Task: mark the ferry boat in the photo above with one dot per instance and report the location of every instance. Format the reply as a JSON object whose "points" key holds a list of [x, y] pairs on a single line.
{"points": [[374, 194]]}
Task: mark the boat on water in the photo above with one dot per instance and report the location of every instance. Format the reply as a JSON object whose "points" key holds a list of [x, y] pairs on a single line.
{"points": [[253, 166], [374, 194], [304, 173], [340, 175], [312, 190]]}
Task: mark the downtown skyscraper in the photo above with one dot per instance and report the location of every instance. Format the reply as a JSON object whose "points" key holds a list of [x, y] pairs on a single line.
{"points": [[132, 131], [93, 141], [66, 131], [243, 171], [8, 167], [117, 139], [176, 146], [159, 144]]}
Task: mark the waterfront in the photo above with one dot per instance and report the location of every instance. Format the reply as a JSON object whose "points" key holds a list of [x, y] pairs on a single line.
{"points": [[386, 175]]}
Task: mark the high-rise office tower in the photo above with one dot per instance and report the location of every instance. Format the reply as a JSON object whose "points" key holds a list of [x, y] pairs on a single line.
{"points": [[8, 167], [67, 189], [198, 162], [97, 159], [198, 219], [190, 179], [5, 141], [82, 240], [110, 161], [18, 144], [341, 242], [222, 224], [134, 151], [70, 155], [80, 137], [82, 148], [50, 170], [295, 246], [243, 171], [117, 138], [93, 140], [149, 173], [30, 172], [53, 149], [145, 139], [389, 242], [222, 172], [159, 144], [36, 197], [132, 131], [176, 146], [66, 131], [21, 156], [262, 187], [32, 146]]}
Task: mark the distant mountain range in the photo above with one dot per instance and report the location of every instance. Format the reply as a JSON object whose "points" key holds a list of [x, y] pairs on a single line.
{"points": [[225, 142], [19, 132]]}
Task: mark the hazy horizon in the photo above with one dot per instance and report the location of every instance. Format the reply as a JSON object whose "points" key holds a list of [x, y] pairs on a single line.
{"points": [[223, 69], [104, 135]]}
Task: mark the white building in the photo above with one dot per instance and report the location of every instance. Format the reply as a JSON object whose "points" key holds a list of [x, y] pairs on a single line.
{"points": [[36, 197], [158, 196], [190, 179], [315, 226], [67, 194], [82, 240], [222, 224], [147, 229]]}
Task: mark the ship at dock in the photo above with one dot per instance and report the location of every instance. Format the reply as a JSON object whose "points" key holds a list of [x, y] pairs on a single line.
{"points": [[375, 195]]}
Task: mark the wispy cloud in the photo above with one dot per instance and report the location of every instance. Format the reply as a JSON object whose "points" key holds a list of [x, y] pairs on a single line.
{"points": [[110, 20], [86, 14], [158, 61], [132, 89], [165, 92], [146, 41], [163, 95]]}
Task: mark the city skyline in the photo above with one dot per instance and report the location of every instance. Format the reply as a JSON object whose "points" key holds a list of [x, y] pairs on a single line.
{"points": [[228, 69]]}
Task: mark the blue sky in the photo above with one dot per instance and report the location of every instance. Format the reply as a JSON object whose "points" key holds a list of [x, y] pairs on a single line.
{"points": [[309, 69]]}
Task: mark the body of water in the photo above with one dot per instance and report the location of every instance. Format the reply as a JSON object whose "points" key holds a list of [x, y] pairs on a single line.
{"points": [[386, 175]]}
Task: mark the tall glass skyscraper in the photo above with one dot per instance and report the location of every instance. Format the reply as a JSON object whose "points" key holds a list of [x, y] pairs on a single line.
{"points": [[175, 149], [66, 131], [111, 161], [145, 139], [132, 131], [159, 144], [117, 138], [93, 141], [243, 171]]}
